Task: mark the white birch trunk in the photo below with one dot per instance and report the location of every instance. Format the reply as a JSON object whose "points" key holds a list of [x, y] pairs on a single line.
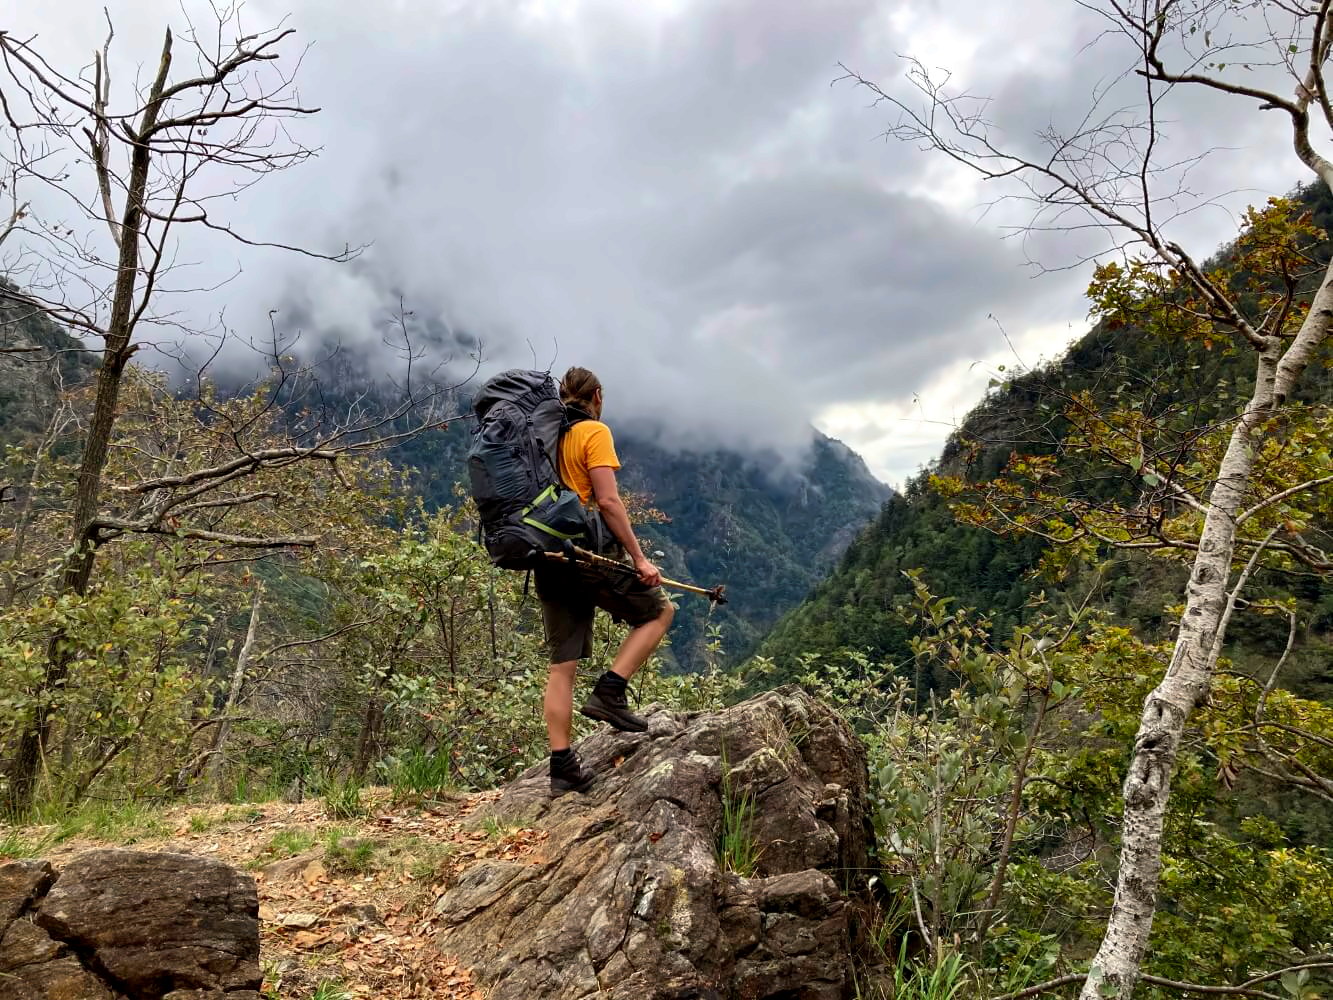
{"points": [[1115, 969]]}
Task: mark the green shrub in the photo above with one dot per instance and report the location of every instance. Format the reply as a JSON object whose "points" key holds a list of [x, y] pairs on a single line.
{"points": [[416, 773], [342, 799]]}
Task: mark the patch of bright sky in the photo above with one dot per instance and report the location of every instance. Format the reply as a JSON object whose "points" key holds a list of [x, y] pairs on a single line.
{"points": [[899, 438]]}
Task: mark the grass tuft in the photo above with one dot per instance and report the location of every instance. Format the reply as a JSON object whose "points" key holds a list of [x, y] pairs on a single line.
{"points": [[330, 989], [738, 849], [347, 855], [415, 774], [342, 799], [15, 845]]}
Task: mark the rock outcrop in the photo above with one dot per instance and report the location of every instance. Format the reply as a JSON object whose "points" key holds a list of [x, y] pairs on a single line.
{"points": [[128, 925], [628, 900]]}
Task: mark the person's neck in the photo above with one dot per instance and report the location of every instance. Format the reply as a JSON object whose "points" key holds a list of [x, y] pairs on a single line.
{"points": [[583, 411]]}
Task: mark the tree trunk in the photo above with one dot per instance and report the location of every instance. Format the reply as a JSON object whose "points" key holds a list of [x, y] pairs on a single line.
{"points": [[118, 347], [1011, 822], [1116, 968], [223, 729], [369, 738]]}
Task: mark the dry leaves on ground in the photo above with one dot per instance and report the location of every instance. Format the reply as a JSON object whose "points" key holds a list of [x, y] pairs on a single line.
{"points": [[349, 901]]}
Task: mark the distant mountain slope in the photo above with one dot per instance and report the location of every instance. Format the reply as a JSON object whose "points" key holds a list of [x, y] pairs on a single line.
{"points": [[27, 382], [767, 531], [855, 606]]}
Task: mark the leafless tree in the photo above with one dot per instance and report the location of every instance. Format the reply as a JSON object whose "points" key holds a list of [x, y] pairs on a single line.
{"points": [[1112, 174], [134, 168]]}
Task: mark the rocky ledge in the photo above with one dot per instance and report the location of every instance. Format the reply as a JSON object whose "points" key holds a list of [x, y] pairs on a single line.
{"points": [[628, 900]]}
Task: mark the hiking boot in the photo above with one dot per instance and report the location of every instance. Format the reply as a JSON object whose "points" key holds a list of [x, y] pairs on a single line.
{"points": [[570, 776], [610, 706]]}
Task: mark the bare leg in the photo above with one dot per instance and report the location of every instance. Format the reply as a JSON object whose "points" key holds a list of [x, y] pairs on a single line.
{"points": [[640, 643], [559, 704]]}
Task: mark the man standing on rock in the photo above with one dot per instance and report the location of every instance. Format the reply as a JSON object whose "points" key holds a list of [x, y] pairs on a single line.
{"points": [[570, 593]]}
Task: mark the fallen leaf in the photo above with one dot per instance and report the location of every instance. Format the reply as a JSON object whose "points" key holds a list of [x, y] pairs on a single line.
{"points": [[314, 872], [298, 920], [309, 939]]}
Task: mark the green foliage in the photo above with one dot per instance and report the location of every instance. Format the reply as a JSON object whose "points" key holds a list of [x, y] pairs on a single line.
{"points": [[129, 687], [1049, 714], [342, 798], [414, 773], [911, 978], [946, 979], [330, 989], [347, 855]]}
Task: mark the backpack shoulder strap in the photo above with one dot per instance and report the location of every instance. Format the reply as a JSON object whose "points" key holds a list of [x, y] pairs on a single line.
{"points": [[573, 415]]}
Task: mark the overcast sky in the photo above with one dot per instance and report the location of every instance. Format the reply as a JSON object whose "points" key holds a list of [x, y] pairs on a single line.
{"points": [[676, 194]]}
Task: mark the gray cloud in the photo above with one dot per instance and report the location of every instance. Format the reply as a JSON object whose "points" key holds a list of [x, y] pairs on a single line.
{"points": [[671, 193]]}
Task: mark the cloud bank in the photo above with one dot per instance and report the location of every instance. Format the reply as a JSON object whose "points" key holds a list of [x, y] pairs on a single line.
{"points": [[673, 194]]}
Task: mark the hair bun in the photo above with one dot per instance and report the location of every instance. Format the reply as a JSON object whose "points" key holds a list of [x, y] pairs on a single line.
{"points": [[579, 387]]}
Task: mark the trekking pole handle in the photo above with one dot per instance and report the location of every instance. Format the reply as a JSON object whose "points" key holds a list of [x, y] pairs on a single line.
{"points": [[717, 594]]}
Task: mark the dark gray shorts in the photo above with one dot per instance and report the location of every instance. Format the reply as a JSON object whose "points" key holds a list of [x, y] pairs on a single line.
{"points": [[571, 594]]}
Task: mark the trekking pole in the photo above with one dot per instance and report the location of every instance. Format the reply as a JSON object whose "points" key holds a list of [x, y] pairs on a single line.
{"points": [[717, 595]]}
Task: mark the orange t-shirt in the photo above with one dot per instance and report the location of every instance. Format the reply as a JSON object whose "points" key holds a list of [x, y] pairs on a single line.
{"points": [[586, 445]]}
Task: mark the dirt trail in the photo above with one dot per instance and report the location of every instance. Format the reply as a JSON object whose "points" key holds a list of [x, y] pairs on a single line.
{"points": [[346, 903]]}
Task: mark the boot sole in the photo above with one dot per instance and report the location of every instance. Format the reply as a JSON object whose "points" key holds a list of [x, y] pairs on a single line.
{"points": [[615, 721]]}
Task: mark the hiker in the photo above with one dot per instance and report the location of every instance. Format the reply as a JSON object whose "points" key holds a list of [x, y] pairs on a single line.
{"points": [[570, 593]]}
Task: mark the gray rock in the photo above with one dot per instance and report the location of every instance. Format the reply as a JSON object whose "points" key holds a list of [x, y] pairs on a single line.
{"points": [[158, 922], [62, 979], [21, 884], [27, 944], [276, 871], [627, 899]]}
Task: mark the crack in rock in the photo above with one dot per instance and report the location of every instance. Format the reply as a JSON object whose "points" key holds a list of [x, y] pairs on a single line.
{"points": [[128, 925]]}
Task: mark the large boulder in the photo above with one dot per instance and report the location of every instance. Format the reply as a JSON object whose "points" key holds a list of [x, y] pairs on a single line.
{"points": [[128, 924], [628, 899]]}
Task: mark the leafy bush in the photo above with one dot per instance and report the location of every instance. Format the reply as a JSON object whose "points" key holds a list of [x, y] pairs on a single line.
{"points": [[342, 798]]}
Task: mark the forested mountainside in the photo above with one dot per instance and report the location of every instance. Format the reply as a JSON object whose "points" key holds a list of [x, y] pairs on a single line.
{"points": [[28, 384], [767, 531], [1193, 382]]}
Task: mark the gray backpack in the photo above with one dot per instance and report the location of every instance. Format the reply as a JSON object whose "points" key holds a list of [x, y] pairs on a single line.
{"points": [[525, 509]]}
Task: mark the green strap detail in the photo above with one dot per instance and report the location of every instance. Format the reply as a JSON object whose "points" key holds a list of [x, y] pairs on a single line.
{"points": [[546, 494], [549, 493], [550, 531]]}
